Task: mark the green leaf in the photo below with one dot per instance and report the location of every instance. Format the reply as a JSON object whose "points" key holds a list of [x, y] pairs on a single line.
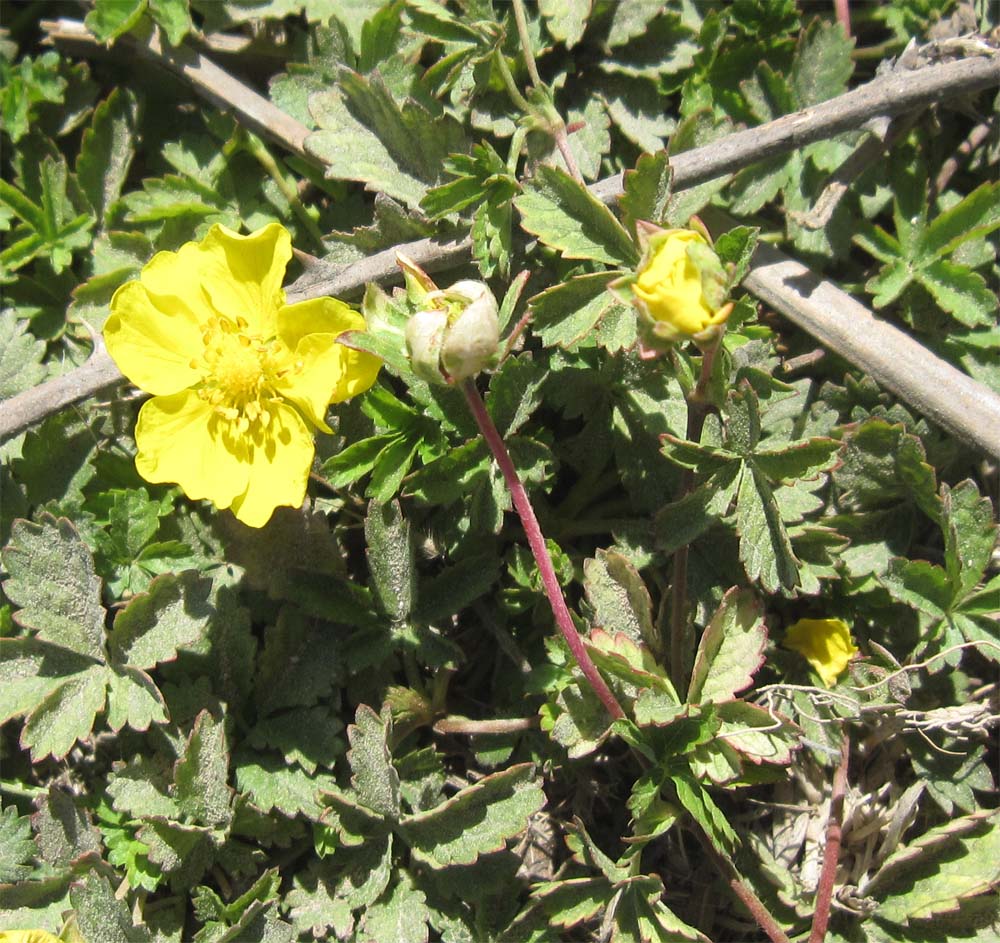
{"points": [[704, 459], [823, 63], [111, 18], [66, 715], [173, 17], [366, 136], [393, 464], [373, 775], [730, 651], [64, 832], [134, 699], [30, 670], [970, 534], [736, 248], [974, 217], [100, 915], [619, 598], [21, 356], [57, 459], [685, 520], [567, 313], [106, 150], [919, 584], [52, 579], [457, 586], [960, 292], [270, 783], [567, 217], [646, 190], [697, 130], [174, 613], [347, 466], [200, 775], [765, 548], [566, 20], [477, 820], [308, 736], [797, 460], [16, 846], [401, 915], [940, 869], [695, 798], [390, 554]]}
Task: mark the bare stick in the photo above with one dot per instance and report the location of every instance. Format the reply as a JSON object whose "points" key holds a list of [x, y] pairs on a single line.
{"points": [[892, 94], [831, 853], [536, 540]]}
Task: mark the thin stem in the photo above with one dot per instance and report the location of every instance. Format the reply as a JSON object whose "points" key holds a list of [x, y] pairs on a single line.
{"points": [[536, 540], [697, 411], [463, 725], [750, 900], [831, 854], [561, 137], [516, 97], [843, 15], [522, 33]]}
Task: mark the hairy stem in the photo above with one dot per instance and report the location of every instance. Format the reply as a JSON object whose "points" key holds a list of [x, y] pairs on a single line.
{"points": [[521, 19], [831, 854], [540, 551]]}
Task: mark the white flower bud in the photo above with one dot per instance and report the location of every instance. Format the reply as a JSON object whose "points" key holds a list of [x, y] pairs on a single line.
{"points": [[424, 336]]}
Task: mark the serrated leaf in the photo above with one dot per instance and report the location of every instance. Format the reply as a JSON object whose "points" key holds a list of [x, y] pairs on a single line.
{"points": [[619, 598], [945, 873], [685, 520], [21, 356], [139, 789], [57, 459], [567, 217], [765, 548], [960, 292], [390, 554], [567, 313], [477, 820], [309, 737], [401, 915], [270, 783], [200, 775], [373, 775], [100, 915], [696, 799], [66, 715], [730, 651], [173, 17], [172, 614], [975, 216], [366, 136], [797, 460], [970, 534], [134, 699], [30, 670], [107, 148], [823, 63], [109, 19], [183, 851], [919, 584], [52, 579], [16, 846], [63, 830], [565, 20], [646, 190]]}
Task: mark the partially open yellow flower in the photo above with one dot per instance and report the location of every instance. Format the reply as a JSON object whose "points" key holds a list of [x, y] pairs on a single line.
{"points": [[240, 380], [671, 285], [825, 643]]}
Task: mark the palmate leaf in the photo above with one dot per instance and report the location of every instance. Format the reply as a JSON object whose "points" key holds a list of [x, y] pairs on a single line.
{"points": [[477, 820]]}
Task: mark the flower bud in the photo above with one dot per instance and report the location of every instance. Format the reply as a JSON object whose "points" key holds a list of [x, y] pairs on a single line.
{"points": [[680, 286], [458, 338]]}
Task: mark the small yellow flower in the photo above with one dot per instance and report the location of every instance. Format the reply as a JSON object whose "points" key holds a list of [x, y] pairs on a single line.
{"points": [[671, 285], [825, 643], [240, 380], [27, 936]]}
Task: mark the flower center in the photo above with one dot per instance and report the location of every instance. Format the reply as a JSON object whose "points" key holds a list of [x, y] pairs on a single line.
{"points": [[238, 370]]}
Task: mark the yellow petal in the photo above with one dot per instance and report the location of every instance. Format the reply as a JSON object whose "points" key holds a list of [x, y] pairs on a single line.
{"points": [[278, 464], [27, 936], [242, 275], [825, 643], [174, 282], [325, 372], [153, 347], [182, 440]]}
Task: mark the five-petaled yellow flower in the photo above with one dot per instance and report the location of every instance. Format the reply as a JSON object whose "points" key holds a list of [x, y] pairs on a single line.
{"points": [[676, 284], [825, 643], [240, 380]]}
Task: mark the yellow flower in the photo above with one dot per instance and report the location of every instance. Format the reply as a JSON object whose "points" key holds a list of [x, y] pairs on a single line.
{"points": [[825, 643], [240, 380], [27, 936], [671, 285]]}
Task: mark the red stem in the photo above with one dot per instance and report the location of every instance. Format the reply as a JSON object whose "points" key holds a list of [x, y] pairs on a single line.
{"points": [[831, 854], [843, 15], [536, 541]]}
